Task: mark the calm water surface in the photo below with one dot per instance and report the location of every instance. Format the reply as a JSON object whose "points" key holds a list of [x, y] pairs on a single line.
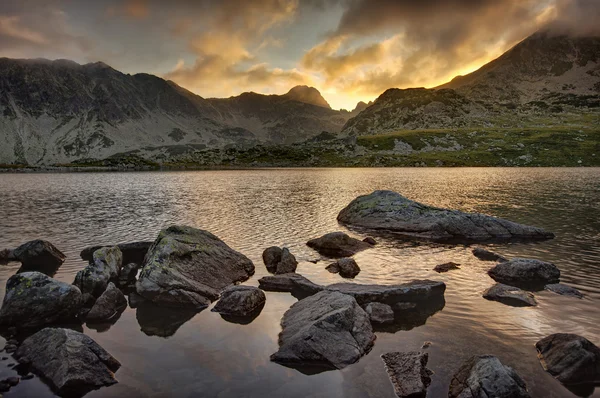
{"points": [[179, 354]]}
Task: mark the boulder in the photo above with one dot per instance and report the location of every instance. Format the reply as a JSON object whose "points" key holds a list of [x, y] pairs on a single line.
{"points": [[189, 267], [71, 362], [391, 211], [108, 304], [328, 329], [408, 373], [524, 272], [133, 252], [564, 290], [293, 283], [485, 376], [271, 257], [106, 265], [338, 244], [510, 295], [38, 253], [346, 267], [380, 313], [570, 358], [288, 263], [128, 274], [487, 255], [240, 301], [370, 241], [34, 299], [446, 267]]}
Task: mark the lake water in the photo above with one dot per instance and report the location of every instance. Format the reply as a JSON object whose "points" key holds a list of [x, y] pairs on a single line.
{"points": [[175, 354]]}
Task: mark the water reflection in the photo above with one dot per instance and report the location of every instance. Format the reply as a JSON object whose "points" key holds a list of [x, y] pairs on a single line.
{"points": [[161, 321]]}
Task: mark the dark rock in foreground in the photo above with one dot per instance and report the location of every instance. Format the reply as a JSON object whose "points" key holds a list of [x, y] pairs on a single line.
{"points": [[446, 267], [487, 255], [391, 211], [346, 267], [510, 295], [380, 313], [105, 265], [133, 252], [70, 361], [571, 359], [189, 267], [107, 305], [524, 271], [33, 300], [408, 372], [240, 301], [564, 290], [328, 329], [338, 244], [484, 377], [38, 253]]}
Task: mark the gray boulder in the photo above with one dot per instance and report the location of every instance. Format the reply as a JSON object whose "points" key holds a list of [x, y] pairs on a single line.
{"points": [[189, 267], [391, 211], [293, 283], [106, 265], [34, 299], [379, 313], [133, 252], [338, 244], [38, 255], [287, 264], [271, 257], [240, 301], [328, 329], [524, 271], [408, 372], [487, 255], [71, 362], [484, 377], [570, 358], [564, 290], [346, 267], [108, 304], [510, 295]]}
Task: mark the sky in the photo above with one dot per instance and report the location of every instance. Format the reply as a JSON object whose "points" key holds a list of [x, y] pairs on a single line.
{"points": [[351, 50]]}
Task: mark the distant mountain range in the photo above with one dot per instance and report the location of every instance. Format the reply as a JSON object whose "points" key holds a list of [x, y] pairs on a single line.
{"points": [[57, 112]]}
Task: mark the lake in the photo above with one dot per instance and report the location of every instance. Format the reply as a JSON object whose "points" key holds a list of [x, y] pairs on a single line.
{"points": [[172, 353]]}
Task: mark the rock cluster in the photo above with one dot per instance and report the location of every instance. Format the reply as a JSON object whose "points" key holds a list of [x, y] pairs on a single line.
{"points": [[346, 267]]}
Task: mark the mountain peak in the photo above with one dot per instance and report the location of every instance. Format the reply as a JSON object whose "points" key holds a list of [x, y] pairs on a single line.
{"points": [[308, 95]]}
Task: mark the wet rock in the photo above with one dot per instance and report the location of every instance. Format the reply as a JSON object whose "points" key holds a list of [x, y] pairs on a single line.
{"points": [[408, 373], [108, 304], [240, 301], [570, 358], [328, 329], [287, 264], [338, 244], [6, 255], [564, 290], [487, 255], [446, 267], [11, 381], [294, 283], [370, 241], [70, 361], [391, 211], [380, 313], [133, 252], [525, 272], [128, 274], [426, 344], [346, 267], [271, 257], [510, 295], [38, 253], [33, 299], [106, 265], [485, 376], [135, 299], [190, 267]]}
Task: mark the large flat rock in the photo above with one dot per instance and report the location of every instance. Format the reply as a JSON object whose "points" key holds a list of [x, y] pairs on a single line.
{"points": [[408, 373]]}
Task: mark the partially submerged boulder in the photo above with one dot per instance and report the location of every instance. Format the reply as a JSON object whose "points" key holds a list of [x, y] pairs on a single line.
{"points": [[328, 329], [271, 257], [293, 283], [446, 267], [484, 377], [345, 266], [510, 295], [71, 362], [105, 266], [133, 252], [564, 290], [108, 304], [189, 267], [571, 359], [388, 210], [34, 299], [487, 255], [524, 271], [242, 301], [338, 244], [279, 261], [37, 255], [408, 373], [380, 313]]}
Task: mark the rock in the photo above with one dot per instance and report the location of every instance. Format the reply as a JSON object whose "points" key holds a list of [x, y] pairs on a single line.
{"points": [[288, 263], [107, 305], [346, 267], [564, 290], [485, 376], [133, 252], [510, 295], [240, 301], [12, 381], [570, 358], [370, 241], [33, 299], [188, 267], [338, 244], [446, 267], [271, 257], [408, 373], [393, 212], [70, 361], [426, 344], [38, 253], [380, 313], [128, 274], [328, 329], [487, 255], [523, 271], [294, 283], [6, 255], [106, 265], [4, 386]]}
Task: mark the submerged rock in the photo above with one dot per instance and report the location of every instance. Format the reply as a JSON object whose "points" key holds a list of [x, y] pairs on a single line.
{"points": [[564, 290], [189, 267], [106, 265], [510, 295], [133, 252], [346, 267], [107, 305], [34, 299], [446, 267], [524, 271], [338, 244], [487, 255], [570, 358], [70, 361], [37, 255], [408, 373], [328, 329], [380, 313], [484, 377], [240, 301], [370, 241], [391, 211]]}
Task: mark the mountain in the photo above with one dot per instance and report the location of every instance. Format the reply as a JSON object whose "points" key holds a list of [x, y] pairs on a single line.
{"points": [[308, 95]]}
